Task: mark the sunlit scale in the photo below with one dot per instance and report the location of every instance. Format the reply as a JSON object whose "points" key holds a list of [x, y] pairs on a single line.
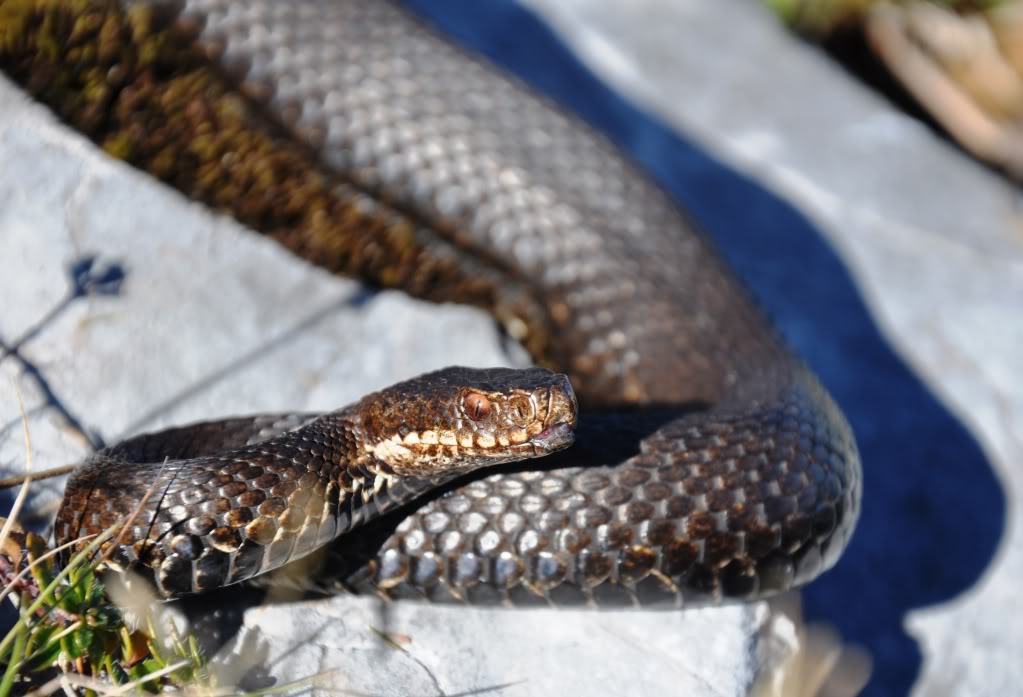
{"points": [[458, 184]]}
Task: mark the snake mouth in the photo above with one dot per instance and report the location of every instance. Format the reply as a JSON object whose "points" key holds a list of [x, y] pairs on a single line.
{"points": [[554, 437], [562, 410]]}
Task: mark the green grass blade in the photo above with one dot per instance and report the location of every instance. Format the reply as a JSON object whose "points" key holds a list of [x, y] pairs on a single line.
{"points": [[11, 674], [47, 595]]}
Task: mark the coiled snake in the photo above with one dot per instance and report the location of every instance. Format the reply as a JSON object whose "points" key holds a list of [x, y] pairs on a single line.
{"points": [[709, 463]]}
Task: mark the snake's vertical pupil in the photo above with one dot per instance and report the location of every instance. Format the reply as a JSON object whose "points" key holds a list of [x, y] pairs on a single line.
{"points": [[476, 406]]}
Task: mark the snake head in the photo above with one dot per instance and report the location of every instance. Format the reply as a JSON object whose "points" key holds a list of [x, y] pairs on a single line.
{"points": [[456, 420]]}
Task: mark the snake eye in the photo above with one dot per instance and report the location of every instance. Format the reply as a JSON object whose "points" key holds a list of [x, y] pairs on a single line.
{"points": [[521, 410], [476, 406]]}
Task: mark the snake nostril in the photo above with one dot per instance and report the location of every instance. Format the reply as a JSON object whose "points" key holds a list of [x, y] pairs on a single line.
{"points": [[521, 410]]}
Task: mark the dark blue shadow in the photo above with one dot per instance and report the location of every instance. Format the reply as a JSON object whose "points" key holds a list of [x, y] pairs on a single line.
{"points": [[933, 511]]}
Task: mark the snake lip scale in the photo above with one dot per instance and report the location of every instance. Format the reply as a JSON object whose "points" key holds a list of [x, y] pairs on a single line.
{"points": [[553, 438], [363, 141]]}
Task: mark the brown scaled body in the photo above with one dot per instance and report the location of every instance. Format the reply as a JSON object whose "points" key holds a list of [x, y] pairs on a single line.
{"points": [[367, 144]]}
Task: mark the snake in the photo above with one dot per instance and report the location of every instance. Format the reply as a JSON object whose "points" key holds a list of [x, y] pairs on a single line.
{"points": [[709, 465]]}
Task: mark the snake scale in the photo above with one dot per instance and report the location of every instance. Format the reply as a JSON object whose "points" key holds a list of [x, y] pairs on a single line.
{"points": [[709, 465]]}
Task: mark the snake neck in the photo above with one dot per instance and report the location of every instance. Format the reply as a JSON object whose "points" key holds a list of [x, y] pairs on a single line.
{"points": [[361, 484]]}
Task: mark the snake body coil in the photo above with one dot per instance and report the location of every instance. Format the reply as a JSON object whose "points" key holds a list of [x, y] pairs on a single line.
{"points": [[367, 144]]}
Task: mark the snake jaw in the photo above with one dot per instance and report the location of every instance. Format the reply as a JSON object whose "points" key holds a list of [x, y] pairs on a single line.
{"points": [[553, 438], [559, 427]]}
